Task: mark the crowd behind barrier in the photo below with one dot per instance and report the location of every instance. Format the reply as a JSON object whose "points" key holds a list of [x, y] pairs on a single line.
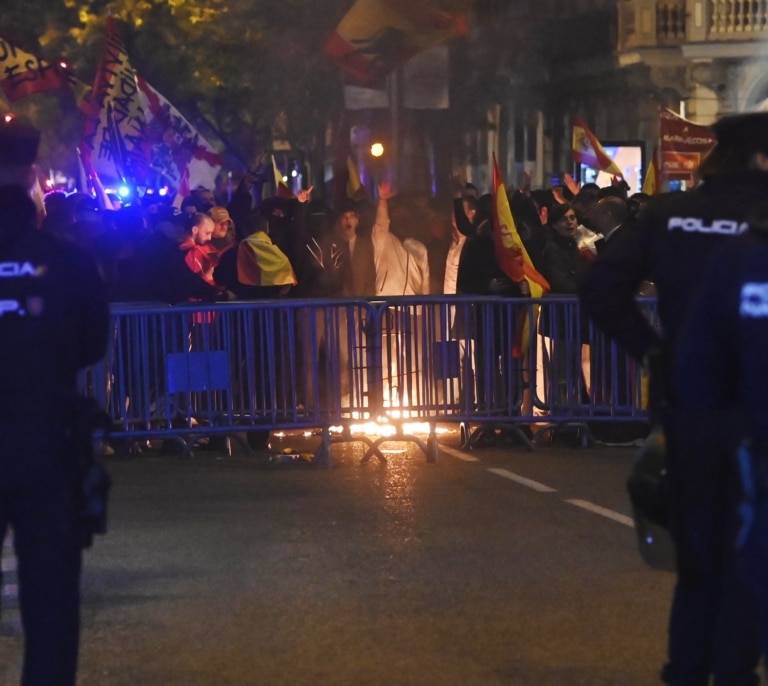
{"points": [[185, 372]]}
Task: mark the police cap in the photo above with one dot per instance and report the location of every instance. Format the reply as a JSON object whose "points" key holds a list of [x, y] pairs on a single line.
{"points": [[747, 132], [18, 142]]}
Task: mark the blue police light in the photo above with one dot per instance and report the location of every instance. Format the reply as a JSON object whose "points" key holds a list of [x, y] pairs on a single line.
{"points": [[123, 191]]}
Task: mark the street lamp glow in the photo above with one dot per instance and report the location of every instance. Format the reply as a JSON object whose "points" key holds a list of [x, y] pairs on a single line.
{"points": [[377, 149]]}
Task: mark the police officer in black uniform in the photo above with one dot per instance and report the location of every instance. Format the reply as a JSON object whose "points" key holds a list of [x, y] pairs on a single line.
{"points": [[53, 321], [721, 366], [713, 627]]}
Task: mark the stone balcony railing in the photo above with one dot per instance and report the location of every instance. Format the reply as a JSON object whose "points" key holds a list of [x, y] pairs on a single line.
{"points": [[658, 23]]}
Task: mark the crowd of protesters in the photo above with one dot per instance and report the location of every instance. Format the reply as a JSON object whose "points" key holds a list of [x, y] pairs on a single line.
{"points": [[252, 247], [209, 249]]}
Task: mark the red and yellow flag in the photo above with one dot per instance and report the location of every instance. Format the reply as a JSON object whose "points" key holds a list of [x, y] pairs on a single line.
{"points": [[281, 187], [23, 74], [588, 151], [513, 258], [651, 180], [355, 190], [261, 263], [375, 36]]}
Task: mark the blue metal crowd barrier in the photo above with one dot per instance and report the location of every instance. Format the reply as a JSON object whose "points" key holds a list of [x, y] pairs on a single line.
{"points": [[189, 371]]}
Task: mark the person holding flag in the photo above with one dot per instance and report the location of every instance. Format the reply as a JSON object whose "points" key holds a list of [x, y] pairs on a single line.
{"points": [[494, 263]]}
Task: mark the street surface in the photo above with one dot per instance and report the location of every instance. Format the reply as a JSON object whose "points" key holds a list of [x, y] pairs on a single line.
{"points": [[495, 567]]}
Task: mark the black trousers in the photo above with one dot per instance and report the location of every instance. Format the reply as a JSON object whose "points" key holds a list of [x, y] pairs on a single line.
{"points": [[38, 500], [713, 625]]}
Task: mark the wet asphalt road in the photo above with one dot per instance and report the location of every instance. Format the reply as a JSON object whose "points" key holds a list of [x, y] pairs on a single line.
{"points": [[499, 567]]}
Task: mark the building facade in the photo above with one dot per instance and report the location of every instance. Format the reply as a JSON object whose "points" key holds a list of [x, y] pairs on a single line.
{"points": [[614, 63]]}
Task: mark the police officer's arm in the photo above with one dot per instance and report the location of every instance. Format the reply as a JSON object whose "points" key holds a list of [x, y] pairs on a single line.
{"points": [[607, 294]]}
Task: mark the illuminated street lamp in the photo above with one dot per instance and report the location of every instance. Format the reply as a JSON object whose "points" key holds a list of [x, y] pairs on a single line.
{"points": [[377, 153]]}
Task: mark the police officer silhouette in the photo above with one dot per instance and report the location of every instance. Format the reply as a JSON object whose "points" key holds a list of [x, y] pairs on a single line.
{"points": [[53, 321]]}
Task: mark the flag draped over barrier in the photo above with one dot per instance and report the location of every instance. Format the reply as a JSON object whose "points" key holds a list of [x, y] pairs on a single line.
{"points": [[375, 36], [513, 258], [588, 151], [23, 74], [132, 132]]}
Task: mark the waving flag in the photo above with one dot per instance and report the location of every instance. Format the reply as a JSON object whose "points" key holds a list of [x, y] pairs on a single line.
{"points": [[355, 189], [651, 180], [514, 260], [588, 151], [683, 146], [133, 132], [573, 186], [376, 36], [281, 188], [176, 150], [23, 74], [114, 136]]}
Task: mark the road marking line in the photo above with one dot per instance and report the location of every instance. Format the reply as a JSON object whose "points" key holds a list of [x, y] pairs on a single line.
{"points": [[458, 454], [604, 511], [543, 488], [535, 485]]}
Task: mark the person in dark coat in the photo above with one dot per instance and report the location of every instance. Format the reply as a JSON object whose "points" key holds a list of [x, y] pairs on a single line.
{"points": [[481, 274], [563, 267], [712, 627], [721, 372], [158, 272], [55, 321]]}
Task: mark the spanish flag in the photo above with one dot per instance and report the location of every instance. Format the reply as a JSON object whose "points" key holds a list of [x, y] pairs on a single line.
{"points": [[651, 180], [375, 36], [355, 190], [588, 151], [281, 188], [261, 263], [514, 260]]}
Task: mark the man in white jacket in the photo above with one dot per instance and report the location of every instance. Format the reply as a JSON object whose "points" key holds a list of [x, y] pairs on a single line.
{"points": [[402, 267]]}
